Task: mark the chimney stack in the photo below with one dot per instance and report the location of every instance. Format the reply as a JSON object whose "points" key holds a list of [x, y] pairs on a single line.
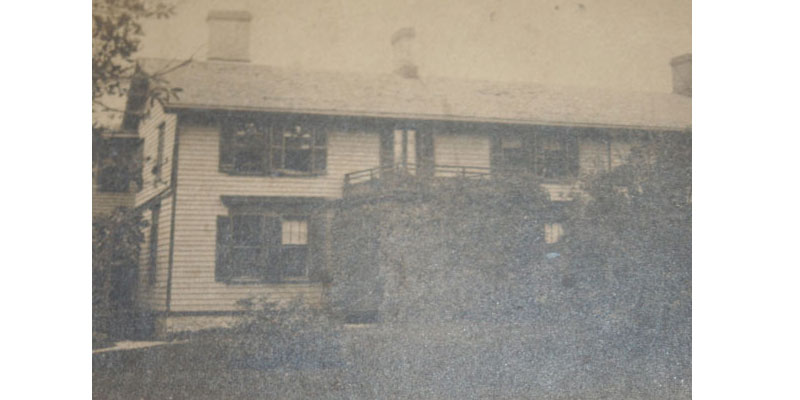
{"points": [[404, 65], [229, 35], [682, 74]]}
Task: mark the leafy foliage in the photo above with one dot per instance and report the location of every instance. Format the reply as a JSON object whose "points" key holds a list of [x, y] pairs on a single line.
{"points": [[461, 250], [116, 36], [274, 333], [116, 239], [630, 254]]}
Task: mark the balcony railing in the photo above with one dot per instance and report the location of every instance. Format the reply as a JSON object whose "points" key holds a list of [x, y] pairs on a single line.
{"points": [[435, 171], [399, 178], [404, 178]]}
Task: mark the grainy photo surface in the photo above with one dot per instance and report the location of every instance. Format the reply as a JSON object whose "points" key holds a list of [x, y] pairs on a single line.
{"points": [[391, 199]]}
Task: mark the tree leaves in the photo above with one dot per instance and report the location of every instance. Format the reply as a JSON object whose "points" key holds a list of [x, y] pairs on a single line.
{"points": [[116, 36]]}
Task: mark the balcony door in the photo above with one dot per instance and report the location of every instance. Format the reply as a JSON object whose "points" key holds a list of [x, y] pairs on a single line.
{"points": [[408, 150]]}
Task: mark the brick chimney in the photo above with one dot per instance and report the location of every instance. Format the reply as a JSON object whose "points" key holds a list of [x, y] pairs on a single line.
{"points": [[402, 42], [682, 74], [229, 35]]}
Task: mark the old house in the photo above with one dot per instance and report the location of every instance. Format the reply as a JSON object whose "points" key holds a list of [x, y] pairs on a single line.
{"points": [[238, 171]]}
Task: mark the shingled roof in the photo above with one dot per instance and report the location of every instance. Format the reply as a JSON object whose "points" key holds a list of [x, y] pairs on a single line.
{"points": [[241, 86]]}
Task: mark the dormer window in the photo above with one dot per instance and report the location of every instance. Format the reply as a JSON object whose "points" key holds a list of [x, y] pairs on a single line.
{"points": [[272, 149]]}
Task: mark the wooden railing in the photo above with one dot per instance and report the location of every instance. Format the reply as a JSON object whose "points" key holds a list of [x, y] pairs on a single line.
{"points": [[433, 171]]}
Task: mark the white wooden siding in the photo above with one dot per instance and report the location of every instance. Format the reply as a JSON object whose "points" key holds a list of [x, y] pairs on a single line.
{"points": [[105, 203], [200, 186], [153, 297], [148, 131]]}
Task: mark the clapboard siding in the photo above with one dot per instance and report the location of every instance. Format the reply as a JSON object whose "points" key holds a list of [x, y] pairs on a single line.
{"points": [[200, 186], [463, 150], [152, 184], [153, 296], [105, 203]]}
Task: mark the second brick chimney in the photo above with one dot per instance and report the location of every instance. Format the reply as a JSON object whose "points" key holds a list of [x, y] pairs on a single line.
{"points": [[229, 35], [402, 42]]}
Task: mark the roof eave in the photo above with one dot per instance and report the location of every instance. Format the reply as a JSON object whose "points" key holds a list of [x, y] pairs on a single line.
{"points": [[425, 117]]}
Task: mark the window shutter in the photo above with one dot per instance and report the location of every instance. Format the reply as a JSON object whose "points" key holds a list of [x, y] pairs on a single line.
{"points": [[573, 156], [320, 151], [316, 248], [495, 159], [225, 149], [223, 270], [272, 245]]}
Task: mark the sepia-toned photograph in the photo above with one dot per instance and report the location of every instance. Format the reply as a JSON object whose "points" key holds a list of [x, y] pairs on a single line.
{"points": [[391, 199]]}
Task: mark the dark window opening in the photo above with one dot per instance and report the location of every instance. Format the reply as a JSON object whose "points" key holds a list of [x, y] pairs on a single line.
{"points": [[262, 248], [547, 155], [251, 148]]}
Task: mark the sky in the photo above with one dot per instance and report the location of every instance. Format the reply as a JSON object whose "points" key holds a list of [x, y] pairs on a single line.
{"points": [[617, 44]]}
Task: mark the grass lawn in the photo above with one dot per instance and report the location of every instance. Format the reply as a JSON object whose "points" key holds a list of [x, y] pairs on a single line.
{"points": [[419, 361]]}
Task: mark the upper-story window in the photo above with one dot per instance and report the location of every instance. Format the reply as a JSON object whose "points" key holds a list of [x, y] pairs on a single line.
{"points": [[272, 148], [552, 155]]}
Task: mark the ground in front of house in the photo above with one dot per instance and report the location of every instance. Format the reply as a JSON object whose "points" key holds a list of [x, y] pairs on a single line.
{"points": [[458, 360]]}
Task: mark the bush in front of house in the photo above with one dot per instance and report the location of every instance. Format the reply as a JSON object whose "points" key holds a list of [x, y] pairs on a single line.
{"points": [[116, 239], [294, 334], [459, 250]]}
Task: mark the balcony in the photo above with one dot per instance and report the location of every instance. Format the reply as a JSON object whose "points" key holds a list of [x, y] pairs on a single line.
{"points": [[409, 178], [413, 180]]}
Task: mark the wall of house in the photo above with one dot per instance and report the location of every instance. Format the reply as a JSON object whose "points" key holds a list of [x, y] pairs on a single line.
{"points": [[152, 183], [105, 203], [153, 296], [461, 149], [200, 186]]}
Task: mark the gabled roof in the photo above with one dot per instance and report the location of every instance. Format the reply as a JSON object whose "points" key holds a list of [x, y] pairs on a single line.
{"points": [[241, 86]]}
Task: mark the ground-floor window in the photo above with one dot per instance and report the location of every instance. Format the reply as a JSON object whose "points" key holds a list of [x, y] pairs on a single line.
{"points": [[268, 245], [553, 232]]}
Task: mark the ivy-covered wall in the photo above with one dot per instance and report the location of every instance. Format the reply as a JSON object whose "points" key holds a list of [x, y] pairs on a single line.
{"points": [[463, 250]]}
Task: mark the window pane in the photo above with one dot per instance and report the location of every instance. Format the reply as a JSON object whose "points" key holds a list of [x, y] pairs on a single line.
{"points": [[247, 261], [320, 138], [297, 144], [553, 233], [294, 232], [248, 160], [294, 261], [298, 160], [249, 145], [247, 230], [320, 159]]}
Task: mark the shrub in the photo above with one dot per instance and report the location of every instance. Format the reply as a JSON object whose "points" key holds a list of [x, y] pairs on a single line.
{"points": [[451, 251], [116, 239], [295, 334]]}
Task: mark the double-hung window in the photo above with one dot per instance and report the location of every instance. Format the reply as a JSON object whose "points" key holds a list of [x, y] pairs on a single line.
{"points": [[549, 154], [255, 247], [272, 147]]}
